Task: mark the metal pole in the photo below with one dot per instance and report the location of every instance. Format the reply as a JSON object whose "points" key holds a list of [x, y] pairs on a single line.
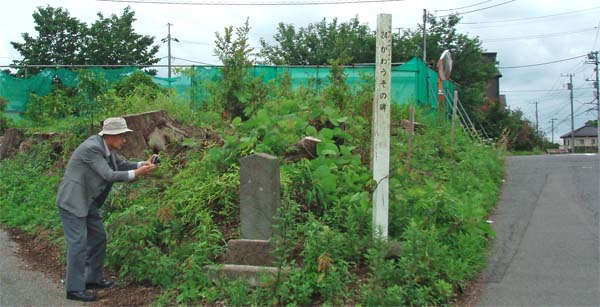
{"points": [[537, 127], [425, 36], [169, 45], [453, 127], [411, 133], [572, 118], [597, 103]]}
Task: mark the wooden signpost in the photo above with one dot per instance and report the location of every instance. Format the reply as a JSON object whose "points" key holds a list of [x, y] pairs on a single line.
{"points": [[380, 149]]}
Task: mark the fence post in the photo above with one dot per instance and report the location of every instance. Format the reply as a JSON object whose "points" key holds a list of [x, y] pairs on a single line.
{"points": [[411, 133], [454, 104]]}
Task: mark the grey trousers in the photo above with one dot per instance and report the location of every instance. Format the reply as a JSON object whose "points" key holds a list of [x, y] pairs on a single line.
{"points": [[86, 248]]}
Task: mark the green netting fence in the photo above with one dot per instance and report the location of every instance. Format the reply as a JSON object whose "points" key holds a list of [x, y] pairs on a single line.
{"points": [[412, 82]]}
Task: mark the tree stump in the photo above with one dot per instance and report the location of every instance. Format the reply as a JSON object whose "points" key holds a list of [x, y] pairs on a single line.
{"points": [[151, 131], [305, 148], [11, 142]]}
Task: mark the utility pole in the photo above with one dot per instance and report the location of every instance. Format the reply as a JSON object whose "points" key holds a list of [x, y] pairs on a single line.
{"points": [[536, 117], [570, 87], [594, 57], [168, 40], [552, 121], [425, 36]]}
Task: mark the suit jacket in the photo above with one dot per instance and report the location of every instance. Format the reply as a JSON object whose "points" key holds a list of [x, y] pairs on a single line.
{"points": [[89, 177]]}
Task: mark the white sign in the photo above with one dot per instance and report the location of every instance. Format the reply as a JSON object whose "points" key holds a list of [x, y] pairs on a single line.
{"points": [[380, 144]]}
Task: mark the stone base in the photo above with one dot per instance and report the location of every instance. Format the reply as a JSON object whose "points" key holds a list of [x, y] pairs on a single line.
{"points": [[249, 273], [250, 252]]}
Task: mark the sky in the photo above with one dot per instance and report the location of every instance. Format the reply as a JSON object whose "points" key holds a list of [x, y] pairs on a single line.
{"points": [[522, 32]]}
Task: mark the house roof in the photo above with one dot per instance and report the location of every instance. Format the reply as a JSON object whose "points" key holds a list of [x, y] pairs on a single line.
{"points": [[585, 131]]}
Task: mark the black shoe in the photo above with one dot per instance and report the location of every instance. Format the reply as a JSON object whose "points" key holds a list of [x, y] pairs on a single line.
{"points": [[103, 284], [83, 296]]}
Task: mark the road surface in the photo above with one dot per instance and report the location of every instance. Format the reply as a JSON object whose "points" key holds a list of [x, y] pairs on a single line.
{"points": [[20, 286], [546, 251]]}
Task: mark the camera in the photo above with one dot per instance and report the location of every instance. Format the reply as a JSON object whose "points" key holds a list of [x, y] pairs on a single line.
{"points": [[155, 160]]}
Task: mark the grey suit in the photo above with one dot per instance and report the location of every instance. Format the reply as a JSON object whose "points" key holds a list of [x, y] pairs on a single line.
{"points": [[85, 185]]}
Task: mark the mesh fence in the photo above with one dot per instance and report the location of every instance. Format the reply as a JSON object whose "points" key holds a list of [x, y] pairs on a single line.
{"points": [[412, 82]]}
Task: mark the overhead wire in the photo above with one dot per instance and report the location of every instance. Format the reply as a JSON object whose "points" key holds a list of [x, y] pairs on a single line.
{"points": [[588, 10], [503, 39], [463, 7], [480, 9], [517, 91], [253, 3], [596, 39], [540, 64]]}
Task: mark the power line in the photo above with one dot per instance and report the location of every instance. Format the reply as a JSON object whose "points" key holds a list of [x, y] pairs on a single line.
{"points": [[549, 90], [530, 18], [255, 3], [539, 64], [192, 61], [594, 46], [193, 42], [491, 40], [463, 7], [481, 9]]}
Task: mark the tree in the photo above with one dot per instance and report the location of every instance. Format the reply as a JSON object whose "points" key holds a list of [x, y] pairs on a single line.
{"points": [[113, 41], [238, 92], [470, 72], [64, 40], [319, 43], [59, 40]]}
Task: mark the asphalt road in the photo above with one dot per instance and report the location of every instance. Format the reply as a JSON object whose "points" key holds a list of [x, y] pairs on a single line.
{"points": [[20, 286], [546, 251]]}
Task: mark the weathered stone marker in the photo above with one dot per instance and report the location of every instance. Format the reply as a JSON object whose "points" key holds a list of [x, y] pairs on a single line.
{"points": [[251, 255], [260, 195]]}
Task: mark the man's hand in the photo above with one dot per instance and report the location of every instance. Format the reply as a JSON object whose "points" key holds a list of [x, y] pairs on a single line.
{"points": [[145, 169], [149, 162]]}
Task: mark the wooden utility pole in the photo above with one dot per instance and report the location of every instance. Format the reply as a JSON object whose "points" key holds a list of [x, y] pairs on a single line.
{"points": [[453, 127], [570, 87], [594, 57], [537, 129], [168, 40], [380, 144]]}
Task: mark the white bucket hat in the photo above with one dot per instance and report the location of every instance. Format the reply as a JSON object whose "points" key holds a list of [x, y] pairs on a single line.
{"points": [[113, 126]]}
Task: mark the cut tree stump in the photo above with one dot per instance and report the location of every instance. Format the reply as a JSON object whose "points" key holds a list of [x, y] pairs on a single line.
{"points": [[11, 142], [305, 148], [152, 131]]}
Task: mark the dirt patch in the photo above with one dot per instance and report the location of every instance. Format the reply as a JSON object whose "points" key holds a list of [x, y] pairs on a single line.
{"points": [[40, 254], [471, 293]]}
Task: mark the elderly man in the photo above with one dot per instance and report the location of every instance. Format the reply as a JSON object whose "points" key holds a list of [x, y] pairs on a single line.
{"points": [[91, 171]]}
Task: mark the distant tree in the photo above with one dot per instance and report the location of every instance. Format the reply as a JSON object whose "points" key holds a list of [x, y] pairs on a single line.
{"points": [[128, 86], [470, 72], [64, 40], [113, 41], [321, 42], [353, 42], [59, 40]]}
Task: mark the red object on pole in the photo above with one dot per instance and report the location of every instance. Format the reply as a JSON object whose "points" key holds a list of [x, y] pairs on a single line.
{"points": [[440, 93]]}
